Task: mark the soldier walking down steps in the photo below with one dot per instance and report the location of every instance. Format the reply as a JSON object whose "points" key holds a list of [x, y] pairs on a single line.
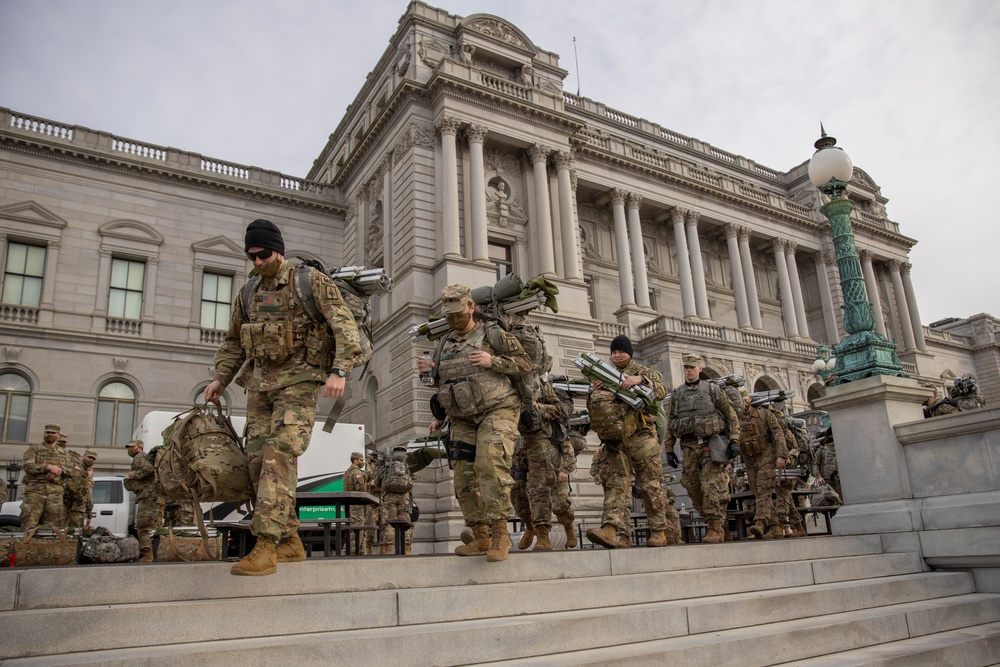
{"points": [[292, 356]]}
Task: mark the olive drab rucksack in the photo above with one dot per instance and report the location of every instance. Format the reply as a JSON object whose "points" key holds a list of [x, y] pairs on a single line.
{"points": [[397, 478], [202, 459]]}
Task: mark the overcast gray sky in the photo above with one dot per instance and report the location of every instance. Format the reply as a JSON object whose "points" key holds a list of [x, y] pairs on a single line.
{"points": [[909, 87]]}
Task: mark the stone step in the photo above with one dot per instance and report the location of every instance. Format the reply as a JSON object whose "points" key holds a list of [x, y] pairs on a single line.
{"points": [[749, 591], [819, 640], [49, 588]]}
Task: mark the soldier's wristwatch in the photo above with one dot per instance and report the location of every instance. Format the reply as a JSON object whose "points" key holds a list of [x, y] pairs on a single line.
{"points": [[339, 371]]}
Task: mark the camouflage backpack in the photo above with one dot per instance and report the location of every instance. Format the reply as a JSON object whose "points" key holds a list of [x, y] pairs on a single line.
{"points": [[103, 547], [607, 415], [397, 477], [202, 459]]}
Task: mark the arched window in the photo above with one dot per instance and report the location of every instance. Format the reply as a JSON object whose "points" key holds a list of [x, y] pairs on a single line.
{"points": [[15, 399], [115, 414]]}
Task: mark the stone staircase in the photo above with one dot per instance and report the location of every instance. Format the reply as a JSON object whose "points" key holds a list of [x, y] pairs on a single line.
{"points": [[809, 602]]}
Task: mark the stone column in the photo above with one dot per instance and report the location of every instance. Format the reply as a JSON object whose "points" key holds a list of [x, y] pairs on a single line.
{"points": [[911, 301], [149, 291], [683, 264], [736, 269], [826, 297], [450, 238], [52, 261], [901, 304], [785, 287], [871, 285], [621, 244], [749, 279], [634, 202], [476, 136], [388, 217], [697, 266], [543, 211], [99, 319], [793, 277], [567, 221]]}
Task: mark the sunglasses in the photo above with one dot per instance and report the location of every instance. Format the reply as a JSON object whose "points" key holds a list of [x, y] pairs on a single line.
{"points": [[263, 254]]}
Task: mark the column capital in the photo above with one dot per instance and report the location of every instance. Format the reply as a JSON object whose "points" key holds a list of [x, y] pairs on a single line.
{"points": [[54, 244], [448, 125], [104, 252], [618, 197], [538, 153], [830, 256], [905, 268], [732, 230], [744, 233], [791, 247], [692, 218], [633, 201], [895, 265], [865, 255], [563, 159], [677, 215], [778, 245], [476, 134]]}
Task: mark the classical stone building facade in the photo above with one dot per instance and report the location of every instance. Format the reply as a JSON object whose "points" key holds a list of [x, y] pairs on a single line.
{"points": [[461, 158]]}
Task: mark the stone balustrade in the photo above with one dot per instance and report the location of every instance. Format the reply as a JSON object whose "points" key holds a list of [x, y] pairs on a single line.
{"points": [[121, 148], [665, 324]]}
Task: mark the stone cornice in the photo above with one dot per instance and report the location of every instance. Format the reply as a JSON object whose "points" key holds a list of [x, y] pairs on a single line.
{"points": [[62, 151]]}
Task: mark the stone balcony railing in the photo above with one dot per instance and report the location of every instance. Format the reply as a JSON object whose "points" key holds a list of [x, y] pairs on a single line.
{"points": [[130, 150], [711, 331]]}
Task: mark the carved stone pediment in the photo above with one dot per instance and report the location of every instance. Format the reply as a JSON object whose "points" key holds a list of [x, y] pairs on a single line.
{"points": [[29, 213], [500, 30]]}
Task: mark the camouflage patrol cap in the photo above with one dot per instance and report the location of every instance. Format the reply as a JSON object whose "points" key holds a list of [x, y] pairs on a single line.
{"points": [[691, 360], [135, 443], [62, 439], [90, 454], [357, 455], [454, 298], [53, 428]]}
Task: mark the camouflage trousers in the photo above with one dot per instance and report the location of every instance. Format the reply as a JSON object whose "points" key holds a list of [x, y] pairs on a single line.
{"points": [[519, 500], [395, 506], [638, 455], [704, 481], [546, 494], [787, 512], [77, 513], [372, 513], [43, 506], [279, 426], [762, 477], [482, 487], [173, 513], [146, 521], [674, 534]]}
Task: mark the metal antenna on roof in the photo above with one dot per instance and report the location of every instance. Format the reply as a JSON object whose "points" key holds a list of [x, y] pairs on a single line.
{"points": [[576, 57]]}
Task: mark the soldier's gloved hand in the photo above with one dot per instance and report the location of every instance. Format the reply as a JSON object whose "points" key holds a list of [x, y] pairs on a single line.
{"points": [[672, 460], [527, 421]]}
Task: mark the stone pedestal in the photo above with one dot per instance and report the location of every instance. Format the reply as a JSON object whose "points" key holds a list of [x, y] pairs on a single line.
{"points": [[633, 317], [873, 471]]}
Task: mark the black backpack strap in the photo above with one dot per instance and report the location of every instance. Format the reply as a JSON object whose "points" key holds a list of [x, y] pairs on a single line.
{"points": [[247, 292]]}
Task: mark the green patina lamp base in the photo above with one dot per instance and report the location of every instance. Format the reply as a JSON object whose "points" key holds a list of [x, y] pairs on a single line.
{"points": [[864, 354]]}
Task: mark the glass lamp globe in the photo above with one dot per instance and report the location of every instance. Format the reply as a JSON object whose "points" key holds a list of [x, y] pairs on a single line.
{"points": [[819, 365], [830, 163]]}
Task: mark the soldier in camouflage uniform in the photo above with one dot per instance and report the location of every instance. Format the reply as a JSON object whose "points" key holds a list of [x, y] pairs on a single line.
{"points": [[141, 481], [79, 492], [473, 367], [697, 411], [602, 471], [292, 357], [637, 453], [764, 452], [355, 479], [518, 496], [45, 466], [825, 462], [396, 501], [787, 509], [373, 513], [674, 534]]}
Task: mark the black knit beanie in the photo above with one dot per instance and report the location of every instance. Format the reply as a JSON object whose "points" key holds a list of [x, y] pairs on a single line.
{"points": [[263, 233], [622, 343]]}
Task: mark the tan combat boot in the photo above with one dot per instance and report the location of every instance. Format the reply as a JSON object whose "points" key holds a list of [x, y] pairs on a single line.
{"points": [[714, 534], [799, 531], [657, 538], [291, 550], [146, 555], [406, 549], [480, 542], [543, 543], [624, 541], [529, 535], [775, 532], [571, 541], [607, 536], [259, 562], [500, 544], [467, 537], [757, 530]]}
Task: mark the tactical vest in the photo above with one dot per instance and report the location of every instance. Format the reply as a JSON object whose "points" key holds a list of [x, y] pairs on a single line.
{"points": [[278, 327], [466, 390], [607, 414], [694, 411], [753, 433]]}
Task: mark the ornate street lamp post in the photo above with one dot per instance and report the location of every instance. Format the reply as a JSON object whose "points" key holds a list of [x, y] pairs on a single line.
{"points": [[863, 353], [13, 472], [825, 364]]}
